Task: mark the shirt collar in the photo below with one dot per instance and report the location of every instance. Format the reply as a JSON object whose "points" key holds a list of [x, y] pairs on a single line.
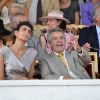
{"points": [[57, 53], [98, 29]]}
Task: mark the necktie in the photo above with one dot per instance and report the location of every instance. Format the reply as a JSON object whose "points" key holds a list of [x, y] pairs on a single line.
{"points": [[39, 12], [60, 56]]}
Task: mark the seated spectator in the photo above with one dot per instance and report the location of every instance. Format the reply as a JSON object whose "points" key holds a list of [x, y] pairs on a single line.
{"points": [[89, 37], [8, 40], [16, 19], [16, 8], [71, 10], [6, 37], [24, 4], [63, 65], [17, 61], [87, 10]]}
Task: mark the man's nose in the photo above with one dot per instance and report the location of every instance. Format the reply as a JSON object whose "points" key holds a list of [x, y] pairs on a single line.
{"points": [[58, 39]]}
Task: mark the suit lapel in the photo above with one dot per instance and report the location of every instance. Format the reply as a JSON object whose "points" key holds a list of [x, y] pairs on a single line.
{"points": [[70, 62], [61, 67], [56, 61]]}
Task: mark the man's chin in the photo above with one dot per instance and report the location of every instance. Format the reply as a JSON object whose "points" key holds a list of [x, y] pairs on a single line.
{"points": [[61, 50]]}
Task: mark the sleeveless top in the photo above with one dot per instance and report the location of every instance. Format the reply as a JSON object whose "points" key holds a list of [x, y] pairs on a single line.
{"points": [[15, 67]]}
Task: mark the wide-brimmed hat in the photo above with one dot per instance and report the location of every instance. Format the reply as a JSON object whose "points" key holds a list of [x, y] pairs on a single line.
{"points": [[55, 14], [3, 31]]}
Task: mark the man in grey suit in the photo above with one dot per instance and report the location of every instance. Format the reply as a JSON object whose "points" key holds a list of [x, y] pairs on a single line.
{"points": [[76, 60]]}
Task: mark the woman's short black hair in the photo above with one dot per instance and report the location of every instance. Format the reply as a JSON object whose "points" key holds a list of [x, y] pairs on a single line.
{"points": [[27, 23]]}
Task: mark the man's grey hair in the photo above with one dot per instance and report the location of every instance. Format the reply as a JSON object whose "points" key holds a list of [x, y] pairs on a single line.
{"points": [[16, 15], [51, 31], [16, 5]]}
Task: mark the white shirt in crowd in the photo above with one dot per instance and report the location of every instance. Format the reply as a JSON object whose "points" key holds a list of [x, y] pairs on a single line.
{"points": [[98, 33], [33, 11]]}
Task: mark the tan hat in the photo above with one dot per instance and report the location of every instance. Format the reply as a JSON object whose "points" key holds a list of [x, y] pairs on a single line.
{"points": [[55, 14]]}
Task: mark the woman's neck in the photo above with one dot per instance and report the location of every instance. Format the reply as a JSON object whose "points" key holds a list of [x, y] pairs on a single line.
{"points": [[19, 45]]}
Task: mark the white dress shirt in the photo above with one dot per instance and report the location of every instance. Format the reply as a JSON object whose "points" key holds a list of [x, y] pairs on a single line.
{"points": [[98, 33], [68, 68]]}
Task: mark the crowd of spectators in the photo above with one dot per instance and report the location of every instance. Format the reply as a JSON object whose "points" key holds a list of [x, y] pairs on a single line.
{"points": [[36, 57]]}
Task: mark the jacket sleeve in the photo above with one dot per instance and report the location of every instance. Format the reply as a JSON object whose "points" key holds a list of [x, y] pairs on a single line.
{"points": [[46, 71], [85, 58]]}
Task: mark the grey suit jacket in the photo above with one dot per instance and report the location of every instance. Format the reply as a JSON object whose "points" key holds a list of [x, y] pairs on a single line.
{"points": [[52, 68]]}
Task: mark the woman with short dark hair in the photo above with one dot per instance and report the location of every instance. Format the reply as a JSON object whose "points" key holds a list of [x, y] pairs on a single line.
{"points": [[17, 62]]}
